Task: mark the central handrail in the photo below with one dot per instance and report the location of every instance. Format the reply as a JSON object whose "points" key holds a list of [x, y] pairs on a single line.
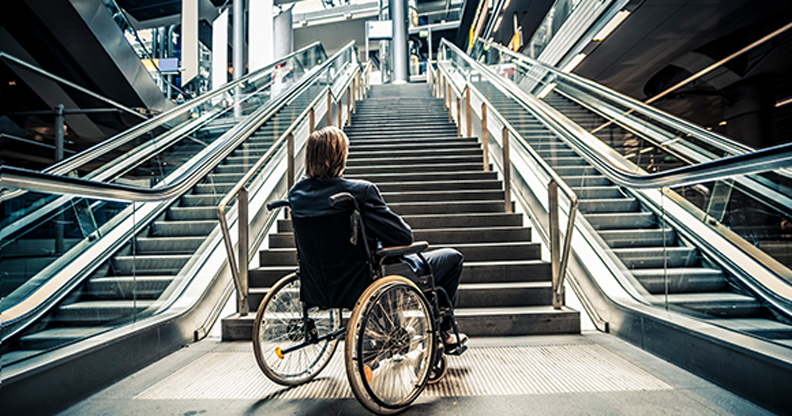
{"points": [[239, 268], [559, 258]]}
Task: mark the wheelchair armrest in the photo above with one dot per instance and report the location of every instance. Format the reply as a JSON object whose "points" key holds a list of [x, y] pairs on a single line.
{"points": [[277, 204], [402, 250]]}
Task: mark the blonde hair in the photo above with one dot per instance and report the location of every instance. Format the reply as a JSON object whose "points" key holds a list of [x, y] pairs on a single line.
{"points": [[326, 153]]}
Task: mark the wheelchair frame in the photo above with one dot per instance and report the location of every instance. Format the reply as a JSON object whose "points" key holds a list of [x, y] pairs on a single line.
{"points": [[306, 323]]}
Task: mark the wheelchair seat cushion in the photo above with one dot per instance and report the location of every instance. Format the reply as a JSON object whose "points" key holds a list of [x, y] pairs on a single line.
{"points": [[333, 271]]}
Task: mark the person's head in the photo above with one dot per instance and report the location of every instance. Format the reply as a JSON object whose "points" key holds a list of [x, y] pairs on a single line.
{"points": [[326, 153]]}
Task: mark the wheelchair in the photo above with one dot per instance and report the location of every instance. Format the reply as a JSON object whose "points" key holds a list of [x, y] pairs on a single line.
{"points": [[393, 345]]}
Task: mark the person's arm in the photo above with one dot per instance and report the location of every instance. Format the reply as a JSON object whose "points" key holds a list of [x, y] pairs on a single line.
{"points": [[382, 223]]}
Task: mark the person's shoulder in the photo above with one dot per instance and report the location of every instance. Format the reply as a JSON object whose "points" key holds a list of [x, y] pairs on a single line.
{"points": [[357, 183]]}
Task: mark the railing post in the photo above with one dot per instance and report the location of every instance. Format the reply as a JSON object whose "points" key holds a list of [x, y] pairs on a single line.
{"points": [[467, 113], [485, 136], [349, 105], [329, 108], [355, 93], [442, 92], [340, 113], [506, 171], [459, 116], [290, 160], [448, 89], [242, 222], [60, 241], [311, 121], [555, 241]]}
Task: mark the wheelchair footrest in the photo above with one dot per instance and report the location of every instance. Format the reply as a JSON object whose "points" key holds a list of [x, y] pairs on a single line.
{"points": [[456, 349]]}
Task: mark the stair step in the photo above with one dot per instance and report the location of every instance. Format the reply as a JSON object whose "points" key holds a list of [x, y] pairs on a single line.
{"points": [[464, 143], [481, 295], [55, 337], [608, 205], [658, 257], [456, 207], [472, 252], [475, 322], [472, 272], [201, 200], [445, 236], [430, 152], [168, 245], [681, 280], [438, 186], [127, 287], [470, 175], [416, 160], [718, 304], [99, 311], [364, 171], [192, 213], [622, 220], [576, 182], [524, 320], [419, 222], [161, 264], [183, 228], [445, 196], [506, 271], [599, 192], [639, 238]]}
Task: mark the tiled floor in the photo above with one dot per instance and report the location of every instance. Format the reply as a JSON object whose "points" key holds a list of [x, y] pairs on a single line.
{"points": [[589, 374]]}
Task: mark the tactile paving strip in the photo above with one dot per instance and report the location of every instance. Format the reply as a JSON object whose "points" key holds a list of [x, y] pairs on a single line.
{"points": [[481, 371]]}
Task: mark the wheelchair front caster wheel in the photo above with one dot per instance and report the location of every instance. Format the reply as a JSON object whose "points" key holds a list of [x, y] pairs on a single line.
{"points": [[439, 370]]}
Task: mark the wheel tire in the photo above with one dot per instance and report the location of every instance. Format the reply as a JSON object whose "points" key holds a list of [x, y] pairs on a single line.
{"points": [[391, 331], [279, 324]]}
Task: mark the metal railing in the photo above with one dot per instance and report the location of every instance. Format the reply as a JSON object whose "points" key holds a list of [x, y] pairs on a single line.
{"points": [[452, 93], [353, 89], [453, 85], [183, 179]]}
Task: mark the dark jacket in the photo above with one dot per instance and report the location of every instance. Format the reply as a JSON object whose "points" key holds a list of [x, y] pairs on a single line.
{"points": [[333, 271]]}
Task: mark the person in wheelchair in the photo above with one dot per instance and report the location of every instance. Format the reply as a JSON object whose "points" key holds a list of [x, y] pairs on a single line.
{"points": [[325, 161]]}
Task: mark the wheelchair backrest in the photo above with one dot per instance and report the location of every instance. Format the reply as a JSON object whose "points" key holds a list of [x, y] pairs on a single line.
{"points": [[334, 272]]}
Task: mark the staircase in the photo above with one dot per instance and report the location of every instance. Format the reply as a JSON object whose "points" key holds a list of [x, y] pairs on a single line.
{"points": [[401, 139]]}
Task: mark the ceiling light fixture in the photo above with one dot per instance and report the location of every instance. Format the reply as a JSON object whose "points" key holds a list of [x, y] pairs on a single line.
{"points": [[573, 63], [505, 5], [611, 26], [784, 102]]}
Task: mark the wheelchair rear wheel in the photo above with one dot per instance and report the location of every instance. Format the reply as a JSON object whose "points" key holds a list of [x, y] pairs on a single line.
{"points": [[280, 325], [390, 344]]}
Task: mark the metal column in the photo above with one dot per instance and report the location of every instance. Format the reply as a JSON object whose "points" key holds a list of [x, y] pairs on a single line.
{"points": [[398, 12]]}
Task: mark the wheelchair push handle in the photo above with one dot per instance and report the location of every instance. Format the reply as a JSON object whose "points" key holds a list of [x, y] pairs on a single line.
{"points": [[342, 197], [277, 204]]}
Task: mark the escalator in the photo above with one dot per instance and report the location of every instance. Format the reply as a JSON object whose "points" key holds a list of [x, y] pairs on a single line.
{"points": [[79, 40], [659, 257], [83, 275]]}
